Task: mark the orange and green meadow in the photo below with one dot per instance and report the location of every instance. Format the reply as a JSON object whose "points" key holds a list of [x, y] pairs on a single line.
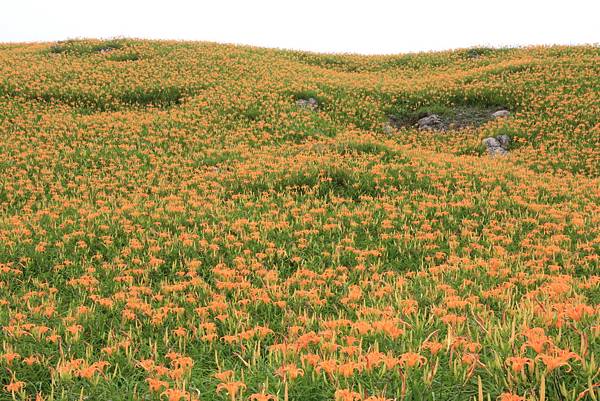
{"points": [[174, 226]]}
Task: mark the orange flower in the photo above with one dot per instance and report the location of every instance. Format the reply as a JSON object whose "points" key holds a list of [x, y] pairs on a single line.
{"points": [[232, 388], [410, 359], [347, 395], [518, 364], [156, 385], [9, 357], [224, 375], [30, 360], [433, 346], [14, 386], [180, 332], [176, 395], [347, 369], [510, 397], [557, 360], [262, 397], [74, 330], [290, 371]]}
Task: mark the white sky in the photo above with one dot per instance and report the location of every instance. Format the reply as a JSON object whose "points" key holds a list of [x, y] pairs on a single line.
{"points": [[367, 26]]}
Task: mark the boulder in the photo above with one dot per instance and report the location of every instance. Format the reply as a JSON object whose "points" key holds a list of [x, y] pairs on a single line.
{"points": [[106, 49], [497, 152], [501, 114], [432, 122], [504, 141], [491, 143], [497, 146], [310, 103]]}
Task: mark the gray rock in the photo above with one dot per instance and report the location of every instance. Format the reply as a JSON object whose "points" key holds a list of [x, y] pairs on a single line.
{"points": [[310, 103], [501, 114], [494, 146], [432, 122], [504, 141], [491, 143], [497, 152]]}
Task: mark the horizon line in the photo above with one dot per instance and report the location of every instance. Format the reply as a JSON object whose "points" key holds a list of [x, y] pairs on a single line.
{"points": [[275, 48]]}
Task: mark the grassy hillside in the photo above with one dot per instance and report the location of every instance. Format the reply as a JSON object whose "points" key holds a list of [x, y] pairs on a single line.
{"points": [[173, 226]]}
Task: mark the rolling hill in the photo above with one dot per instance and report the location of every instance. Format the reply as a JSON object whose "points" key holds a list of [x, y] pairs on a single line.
{"points": [[197, 221]]}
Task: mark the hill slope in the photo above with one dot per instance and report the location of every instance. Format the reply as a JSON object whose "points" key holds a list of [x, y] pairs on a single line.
{"points": [[173, 224]]}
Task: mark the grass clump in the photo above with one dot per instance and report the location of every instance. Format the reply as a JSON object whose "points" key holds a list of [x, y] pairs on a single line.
{"points": [[86, 47], [331, 62], [478, 52], [89, 103], [471, 107], [306, 94], [252, 112], [160, 96], [122, 57], [405, 117]]}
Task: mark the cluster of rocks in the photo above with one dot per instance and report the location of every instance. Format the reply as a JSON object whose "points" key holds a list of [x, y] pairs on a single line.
{"points": [[499, 145], [310, 103], [433, 122]]}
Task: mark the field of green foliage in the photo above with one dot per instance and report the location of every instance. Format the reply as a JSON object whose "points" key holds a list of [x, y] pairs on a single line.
{"points": [[192, 221]]}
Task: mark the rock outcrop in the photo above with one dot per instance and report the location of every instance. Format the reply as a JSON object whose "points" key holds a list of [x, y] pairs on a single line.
{"points": [[310, 103], [497, 146], [432, 122], [501, 114]]}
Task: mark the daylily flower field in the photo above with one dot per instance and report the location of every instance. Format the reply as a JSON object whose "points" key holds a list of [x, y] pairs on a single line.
{"points": [[174, 226]]}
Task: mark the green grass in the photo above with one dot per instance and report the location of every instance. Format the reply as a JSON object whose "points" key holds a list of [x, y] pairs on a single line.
{"points": [[77, 47]]}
